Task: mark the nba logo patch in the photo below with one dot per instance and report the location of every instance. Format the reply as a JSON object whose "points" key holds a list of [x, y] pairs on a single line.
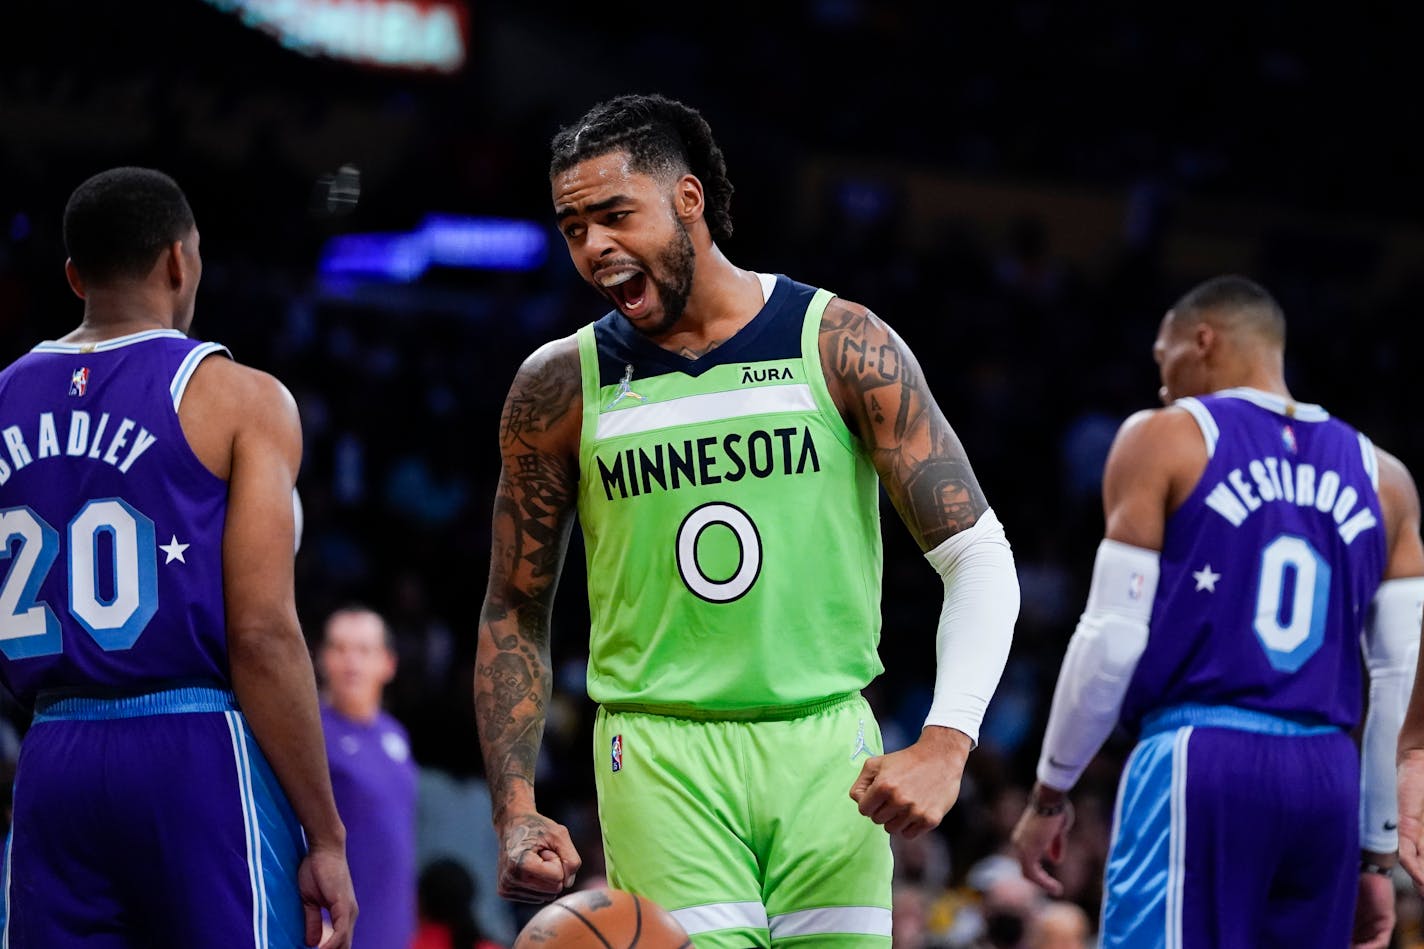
{"points": [[1134, 586], [617, 752], [79, 381], [1288, 439]]}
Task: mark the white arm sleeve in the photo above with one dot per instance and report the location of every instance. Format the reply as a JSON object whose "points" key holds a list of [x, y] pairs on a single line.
{"points": [[1391, 644], [976, 623], [1101, 658]]}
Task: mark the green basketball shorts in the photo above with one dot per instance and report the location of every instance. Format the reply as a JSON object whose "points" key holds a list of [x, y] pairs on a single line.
{"points": [[745, 830]]}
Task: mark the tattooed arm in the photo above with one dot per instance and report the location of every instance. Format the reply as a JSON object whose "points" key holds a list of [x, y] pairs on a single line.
{"points": [[533, 513], [882, 395], [881, 392]]}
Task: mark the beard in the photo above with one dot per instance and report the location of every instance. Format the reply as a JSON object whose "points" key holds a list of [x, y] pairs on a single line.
{"points": [[672, 275]]}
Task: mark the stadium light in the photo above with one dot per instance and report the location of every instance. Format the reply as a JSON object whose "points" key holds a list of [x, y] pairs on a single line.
{"points": [[403, 34], [471, 243]]}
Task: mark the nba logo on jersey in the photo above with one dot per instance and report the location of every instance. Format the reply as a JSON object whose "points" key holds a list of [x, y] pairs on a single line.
{"points": [[79, 382], [617, 752], [1288, 439]]}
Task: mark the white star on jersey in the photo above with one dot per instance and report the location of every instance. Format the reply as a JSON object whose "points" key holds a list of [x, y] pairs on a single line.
{"points": [[1206, 580], [174, 550]]}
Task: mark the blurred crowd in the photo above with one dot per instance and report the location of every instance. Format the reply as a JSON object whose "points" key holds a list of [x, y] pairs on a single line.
{"points": [[1021, 190]]}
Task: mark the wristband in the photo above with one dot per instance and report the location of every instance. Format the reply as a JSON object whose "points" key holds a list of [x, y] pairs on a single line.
{"points": [[1048, 810], [1368, 867]]}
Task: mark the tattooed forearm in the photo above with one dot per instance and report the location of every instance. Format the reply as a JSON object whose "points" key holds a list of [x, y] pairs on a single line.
{"points": [[511, 683], [533, 515], [523, 755], [512, 689], [885, 401], [510, 760]]}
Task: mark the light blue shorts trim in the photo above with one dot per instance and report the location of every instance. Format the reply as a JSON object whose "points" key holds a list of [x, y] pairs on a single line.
{"points": [[90, 708], [1228, 716]]}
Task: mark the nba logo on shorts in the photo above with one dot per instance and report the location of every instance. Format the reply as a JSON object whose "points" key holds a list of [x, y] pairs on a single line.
{"points": [[617, 752], [79, 382]]}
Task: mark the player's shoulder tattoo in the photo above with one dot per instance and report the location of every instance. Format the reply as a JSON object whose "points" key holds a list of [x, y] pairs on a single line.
{"points": [[883, 394], [859, 348], [546, 390], [873, 374], [538, 487]]}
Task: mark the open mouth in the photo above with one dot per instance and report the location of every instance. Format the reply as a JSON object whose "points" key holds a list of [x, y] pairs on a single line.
{"points": [[628, 288]]}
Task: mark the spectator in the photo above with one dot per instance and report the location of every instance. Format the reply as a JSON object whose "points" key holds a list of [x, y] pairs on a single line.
{"points": [[453, 822], [372, 774], [446, 893], [1059, 925]]}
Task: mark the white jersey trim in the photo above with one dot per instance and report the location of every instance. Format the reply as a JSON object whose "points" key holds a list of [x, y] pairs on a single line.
{"points": [[1177, 839], [713, 916], [768, 284], [51, 346], [1207, 424], [1304, 411], [832, 920], [707, 407], [184, 375]]}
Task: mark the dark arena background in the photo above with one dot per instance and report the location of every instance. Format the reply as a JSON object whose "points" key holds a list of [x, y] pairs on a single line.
{"points": [[1020, 188]]}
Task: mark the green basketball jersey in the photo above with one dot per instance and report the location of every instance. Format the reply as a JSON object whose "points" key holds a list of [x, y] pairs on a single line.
{"points": [[730, 520]]}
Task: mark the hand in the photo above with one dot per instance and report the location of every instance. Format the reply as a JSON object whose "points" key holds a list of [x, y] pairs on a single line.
{"points": [[537, 859], [1411, 815], [324, 882], [1374, 912], [909, 791], [1036, 837]]}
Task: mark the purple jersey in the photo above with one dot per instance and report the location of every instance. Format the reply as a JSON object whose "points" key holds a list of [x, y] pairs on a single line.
{"points": [[1268, 568], [373, 779], [111, 564]]}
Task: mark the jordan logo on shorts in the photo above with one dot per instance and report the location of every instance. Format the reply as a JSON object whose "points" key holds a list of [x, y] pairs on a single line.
{"points": [[860, 746], [617, 752]]}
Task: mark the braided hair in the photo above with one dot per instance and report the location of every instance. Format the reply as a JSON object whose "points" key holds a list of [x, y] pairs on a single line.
{"points": [[661, 136]]}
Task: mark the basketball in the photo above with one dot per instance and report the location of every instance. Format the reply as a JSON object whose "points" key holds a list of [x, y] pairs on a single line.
{"points": [[600, 919]]}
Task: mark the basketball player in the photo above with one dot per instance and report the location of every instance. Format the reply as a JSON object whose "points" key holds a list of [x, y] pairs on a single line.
{"points": [[720, 433], [1247, 539], [147, 615]]}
